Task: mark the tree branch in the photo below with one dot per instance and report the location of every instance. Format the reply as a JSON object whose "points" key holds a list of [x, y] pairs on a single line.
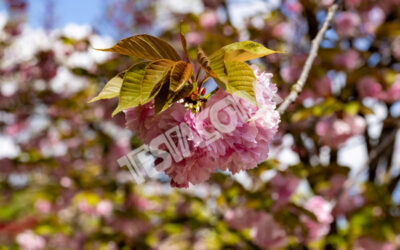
{"points": [[374, 154], [298, 87]]}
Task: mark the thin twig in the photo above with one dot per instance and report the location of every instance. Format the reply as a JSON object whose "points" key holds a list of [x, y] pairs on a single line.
{"points": [[373, 155], [298, 87]]}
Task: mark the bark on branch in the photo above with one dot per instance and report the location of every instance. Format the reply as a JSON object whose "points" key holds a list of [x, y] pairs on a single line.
{"points": [[298, 86]]}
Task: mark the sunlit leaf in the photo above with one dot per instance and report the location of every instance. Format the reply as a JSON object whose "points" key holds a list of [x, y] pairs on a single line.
{"points": [[352, 108], [111, 89], [246, 50], [142, 82], [241, 80], [238, 52], [180, 74], [145, 47], [301, 115]]}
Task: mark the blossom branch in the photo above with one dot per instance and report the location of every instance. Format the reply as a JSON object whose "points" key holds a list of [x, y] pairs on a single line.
{"points": [[298, 87]]}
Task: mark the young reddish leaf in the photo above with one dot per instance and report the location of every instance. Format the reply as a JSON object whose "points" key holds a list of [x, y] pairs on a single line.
{"points": [[142, 82], [184, 46], [111, 89], [180, 74], [241, 80], [183, 93], [204, 62], [145, 47]]}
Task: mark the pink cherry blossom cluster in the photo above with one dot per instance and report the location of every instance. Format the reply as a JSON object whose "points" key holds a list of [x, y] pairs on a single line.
{"points": [[266, 232], [322, 209], [334, 131], [241, 149], [283, 186], [369, 87], [348, 60], [345, 203]]}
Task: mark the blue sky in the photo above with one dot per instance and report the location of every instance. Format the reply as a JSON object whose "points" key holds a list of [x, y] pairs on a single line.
{"points": [[66, 11]]}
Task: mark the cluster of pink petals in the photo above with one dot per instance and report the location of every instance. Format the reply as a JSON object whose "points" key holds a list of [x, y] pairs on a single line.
{"points": [[208, 19], [243, 148], [290, 73], [264, 230], [28, 240], [334, 131], [349, 3], [104, 208], [369, 87], [284, 31], [242, 218], [283, 187], [194, 38], [294, 6], [396, 48], [349, 60], [351, 23], [323, 86], [346, 203], [43, 206], [373, 19], [322, 209], [366, 243], [267, 233], [347, 23], [352, 3]]}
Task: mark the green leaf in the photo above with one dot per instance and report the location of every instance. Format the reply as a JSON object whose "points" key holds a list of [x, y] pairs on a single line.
{"points": [[181, 73], [145, 47], [204, 62], [239, 52], [111, 89], [245, 51], [142, 82], [241, 80], [352, 108], [301, 115]]}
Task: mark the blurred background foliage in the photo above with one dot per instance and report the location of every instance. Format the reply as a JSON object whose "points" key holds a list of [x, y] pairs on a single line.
{"points": [[61, 186]]}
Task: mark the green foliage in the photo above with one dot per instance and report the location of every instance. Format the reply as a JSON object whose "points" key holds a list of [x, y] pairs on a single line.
{"points": [[165, 75], [230, 71], [132, 91], [111, 89], [241, 80], [245, 51], [144, 47]]}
